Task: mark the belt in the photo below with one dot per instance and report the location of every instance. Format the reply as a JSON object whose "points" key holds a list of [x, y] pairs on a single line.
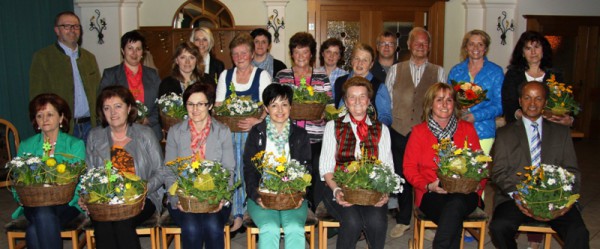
{"points": [[82, 120]]}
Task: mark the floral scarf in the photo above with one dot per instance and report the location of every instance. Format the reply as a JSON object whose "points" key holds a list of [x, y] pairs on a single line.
{"points": [[280, 139], [440, 132], [199, 138]]}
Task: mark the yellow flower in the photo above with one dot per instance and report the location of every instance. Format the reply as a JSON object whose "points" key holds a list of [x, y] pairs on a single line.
{"points": [[354, 166], [280, 168], [61, 168], [128, 185], [311, 91], [307, 177], [204, 182], [483, 159], [436, 146], [195, 165], [117, 189], [51, 162], [281, 159], [457, 152]]}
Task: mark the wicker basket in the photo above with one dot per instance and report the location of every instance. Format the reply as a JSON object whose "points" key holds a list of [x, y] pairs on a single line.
{"points": [[361, 196], [307, 111], [280, 201], [114, 212], [167, 121], [458, 185], [232, 121], [555, 213], [191, 204], [45, 195]]}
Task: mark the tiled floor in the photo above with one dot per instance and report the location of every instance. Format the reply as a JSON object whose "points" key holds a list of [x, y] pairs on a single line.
{"points": [[590, 200]]}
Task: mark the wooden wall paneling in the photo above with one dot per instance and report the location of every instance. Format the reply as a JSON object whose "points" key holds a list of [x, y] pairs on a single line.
{"points": [[435, 25]]}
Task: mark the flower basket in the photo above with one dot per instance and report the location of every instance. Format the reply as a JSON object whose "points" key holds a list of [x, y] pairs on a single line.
{"points": [[468, 94], [168, 121], [361, 196], [558, 111], [115, 212], [553, 214], [560, 100], [41, 195], [458, 185], [307, 111], [191, 204], [232, 121], [277, 201]]}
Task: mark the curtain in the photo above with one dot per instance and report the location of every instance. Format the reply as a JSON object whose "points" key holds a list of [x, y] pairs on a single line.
{"points": [[25, 27]]}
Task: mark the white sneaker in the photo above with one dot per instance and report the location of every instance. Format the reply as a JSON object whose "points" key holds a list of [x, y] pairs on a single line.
{"points": [[398, 230]]}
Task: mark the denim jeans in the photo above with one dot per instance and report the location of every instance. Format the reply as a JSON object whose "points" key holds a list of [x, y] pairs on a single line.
{"points": [[82, 130], [45, 224], [201, 230]]}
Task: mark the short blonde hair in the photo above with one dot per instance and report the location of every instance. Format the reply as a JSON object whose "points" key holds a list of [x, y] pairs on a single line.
{"points": [[484, 36], [430, 97]]}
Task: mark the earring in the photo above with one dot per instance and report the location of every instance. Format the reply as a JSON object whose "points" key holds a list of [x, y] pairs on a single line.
{"points": [[60, 125], [39, 128]]}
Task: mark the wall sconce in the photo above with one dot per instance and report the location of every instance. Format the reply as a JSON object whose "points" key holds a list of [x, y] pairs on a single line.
{"points": [[99, 26], [504, 26], [275, 23]]}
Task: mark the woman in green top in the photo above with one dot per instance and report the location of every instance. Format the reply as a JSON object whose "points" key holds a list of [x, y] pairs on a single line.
{"points": [[50, 116]]}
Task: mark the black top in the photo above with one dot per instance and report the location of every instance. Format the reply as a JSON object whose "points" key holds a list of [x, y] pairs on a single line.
{"points": [[171, 85], [277, 66], [215, 68]]}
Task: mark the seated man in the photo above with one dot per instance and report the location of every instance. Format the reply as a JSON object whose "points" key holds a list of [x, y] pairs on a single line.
{"points": [[531, 141]]}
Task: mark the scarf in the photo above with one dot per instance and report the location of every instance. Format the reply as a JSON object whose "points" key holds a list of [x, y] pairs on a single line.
{"points": [[437, 130], [280, 139], [361, 128], [199, 138], [266, 64]]}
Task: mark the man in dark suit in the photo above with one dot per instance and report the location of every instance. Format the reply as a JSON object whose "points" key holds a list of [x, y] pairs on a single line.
{"points": [[512, 152]]}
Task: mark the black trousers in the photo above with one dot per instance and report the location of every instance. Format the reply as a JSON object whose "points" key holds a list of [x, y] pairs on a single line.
{"points": [[507, 218], [405, 199], [315, 191], [121, 234]]}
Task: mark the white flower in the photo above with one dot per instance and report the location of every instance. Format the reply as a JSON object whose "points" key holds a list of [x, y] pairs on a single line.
{"points": [[551, 181], [104, 180], [567, 187]]}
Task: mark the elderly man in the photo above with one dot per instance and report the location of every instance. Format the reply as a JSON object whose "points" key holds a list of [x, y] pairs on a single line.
{"points": [[407, 82], [262, 58], [69, 71], [386, 55], [532, 141]]}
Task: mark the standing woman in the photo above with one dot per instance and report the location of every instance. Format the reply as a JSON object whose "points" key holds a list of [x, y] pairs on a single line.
{"points": [[302, 48], [50, 115], [248, 80], [142, 81], [188, 68], [478, 69], [343, 141], [331, 57], [199, 135], [203, 38], [276, 134], [130, 147], [447, 211]]}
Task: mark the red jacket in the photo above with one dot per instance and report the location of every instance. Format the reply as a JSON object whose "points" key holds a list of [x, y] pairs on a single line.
{"points": [[419, 168]]}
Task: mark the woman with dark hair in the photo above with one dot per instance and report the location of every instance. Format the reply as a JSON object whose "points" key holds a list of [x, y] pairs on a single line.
{"points": [[130, 147], [262, 58], [302, 47], [50, 115], [203, 38], [531, 60], [204, 136], [441, 122], [331, 57], [188, 68], [343, 141], [142, 81], [276, 134]]}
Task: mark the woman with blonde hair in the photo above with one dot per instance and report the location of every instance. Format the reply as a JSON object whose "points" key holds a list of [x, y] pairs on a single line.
{"points": [[203, 38]]}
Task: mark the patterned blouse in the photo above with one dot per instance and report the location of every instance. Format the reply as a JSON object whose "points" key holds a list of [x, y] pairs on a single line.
{"points": [[122, 160]]}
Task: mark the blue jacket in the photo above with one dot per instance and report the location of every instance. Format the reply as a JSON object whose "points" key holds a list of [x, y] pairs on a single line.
{"points": [[490, 78]]}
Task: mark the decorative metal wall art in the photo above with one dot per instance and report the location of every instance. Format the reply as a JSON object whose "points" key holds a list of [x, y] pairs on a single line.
{"points": [[275, 23], [504, 26], [98, 24]]}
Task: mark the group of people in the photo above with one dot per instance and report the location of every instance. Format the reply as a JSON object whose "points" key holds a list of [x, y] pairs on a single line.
{"points": [[396, 112]]}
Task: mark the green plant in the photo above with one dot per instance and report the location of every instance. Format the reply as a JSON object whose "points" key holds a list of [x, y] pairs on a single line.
{"points": [[236, 105], [109, 186], [306, 94], [142, 110], [172, 105], [460, 162], [280, 175], [370, 174], [561, 98]]}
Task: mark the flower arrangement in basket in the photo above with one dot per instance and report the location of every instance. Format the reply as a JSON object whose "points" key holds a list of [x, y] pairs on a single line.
{"points": [[172, 110], [468, 94], [546, 191], [460, 169], [331, 113], [142, 112], [283, 181], [561, 99], [44, 181], [365, 181], [235, 108], [201, 184], [308, 104], [111, 195]]}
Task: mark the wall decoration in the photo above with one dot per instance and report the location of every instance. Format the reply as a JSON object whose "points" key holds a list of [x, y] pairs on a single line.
{"points": [[275, 23], [98, 24], [504, 26]]}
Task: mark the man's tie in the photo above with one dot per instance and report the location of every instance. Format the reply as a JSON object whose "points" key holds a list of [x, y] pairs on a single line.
{"points": [[536, 145]]}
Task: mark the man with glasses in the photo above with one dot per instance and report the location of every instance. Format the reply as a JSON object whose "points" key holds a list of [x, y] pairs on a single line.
{"points": [[386, 55], [407, 83], [69, 71]]}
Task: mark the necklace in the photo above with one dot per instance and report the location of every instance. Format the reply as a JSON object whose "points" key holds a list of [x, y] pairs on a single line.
{"points": [[117, 139]]}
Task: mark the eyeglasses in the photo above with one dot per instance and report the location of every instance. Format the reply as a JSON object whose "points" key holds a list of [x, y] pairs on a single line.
{"points": [[194, 105], [70, 26], [387, 44]]}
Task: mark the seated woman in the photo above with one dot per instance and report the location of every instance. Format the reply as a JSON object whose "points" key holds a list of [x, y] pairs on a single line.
{"points": [[204, 136], [441, 121], [130, 147], [277, 135], [339, 149], [50, 116]]}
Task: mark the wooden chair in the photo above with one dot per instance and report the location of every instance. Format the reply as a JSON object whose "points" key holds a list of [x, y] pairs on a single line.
{"points": [[540, 227], [16, 230], [169, 231], [326, 221], [148, 227], [10, 144], [475, 224], [252, 231]]}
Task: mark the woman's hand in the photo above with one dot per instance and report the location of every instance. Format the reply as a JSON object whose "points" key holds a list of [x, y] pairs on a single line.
{"points": [[259, 202], [384, 199], [220, 207], [82, 205], [299, 203], [468, 117], [339, 198], [247, 123], [564, 119], [435, 187]]}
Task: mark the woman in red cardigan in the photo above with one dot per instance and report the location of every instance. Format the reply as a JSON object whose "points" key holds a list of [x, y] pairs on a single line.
{"points": [[447, 210]]}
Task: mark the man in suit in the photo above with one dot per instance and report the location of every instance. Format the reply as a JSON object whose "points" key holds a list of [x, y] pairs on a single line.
{"points": [[515, 148]]}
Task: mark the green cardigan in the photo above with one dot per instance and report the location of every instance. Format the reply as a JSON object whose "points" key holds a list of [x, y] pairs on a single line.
{"points": [[51, 72], [66, 144]]}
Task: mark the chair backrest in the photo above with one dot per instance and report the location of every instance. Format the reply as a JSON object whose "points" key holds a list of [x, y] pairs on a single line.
{"points": [[10, 143]]}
